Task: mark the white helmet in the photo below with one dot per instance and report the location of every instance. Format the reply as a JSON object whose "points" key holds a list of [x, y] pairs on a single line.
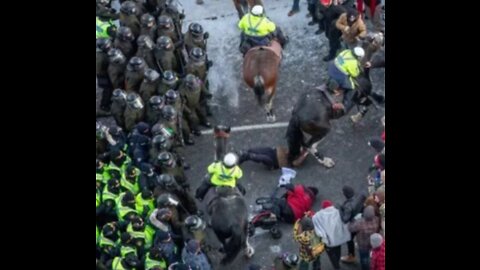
{"points": [[257, 10], [230, 160], [359, 52]]}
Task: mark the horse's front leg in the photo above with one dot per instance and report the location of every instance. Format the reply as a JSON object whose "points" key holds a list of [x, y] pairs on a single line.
{"points": [[359, 116], [312, 149], [271, 118], [240, 7], [249, 250]]}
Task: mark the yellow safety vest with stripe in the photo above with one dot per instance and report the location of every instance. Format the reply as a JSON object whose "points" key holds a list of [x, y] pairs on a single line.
{"points": [[98, 198], [348, 64], [134, 188], [222, 176], [125, 250], [149, 234], [122, 210], [135, 234], [104, 176], [257, 26], [141, 203], [117, 264], [122, 169], [106, 241], [151, 263], [102, 28], [107, 195]]}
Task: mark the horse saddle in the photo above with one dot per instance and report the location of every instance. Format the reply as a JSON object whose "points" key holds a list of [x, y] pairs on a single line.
{"points": [[274, 46], [224, 191], [324, 89]]}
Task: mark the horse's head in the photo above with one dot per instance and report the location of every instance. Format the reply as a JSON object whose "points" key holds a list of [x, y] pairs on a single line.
{"points": [[229, 220], [221, 131]]}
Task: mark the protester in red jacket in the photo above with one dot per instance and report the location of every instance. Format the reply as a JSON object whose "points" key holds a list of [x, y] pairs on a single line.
{"points": [[377, 262]]}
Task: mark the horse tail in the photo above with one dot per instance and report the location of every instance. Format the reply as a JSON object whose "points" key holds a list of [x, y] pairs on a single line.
{"points": [[259, 87], [234, 245]]}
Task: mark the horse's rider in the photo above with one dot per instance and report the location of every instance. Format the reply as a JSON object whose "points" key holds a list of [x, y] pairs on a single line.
{"points": [[258, 30], [224, 173], [342, 72]]}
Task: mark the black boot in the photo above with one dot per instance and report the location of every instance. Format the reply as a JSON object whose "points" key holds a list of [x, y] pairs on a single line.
{"points": [[202, 190], [242, 189], [242, 157]]}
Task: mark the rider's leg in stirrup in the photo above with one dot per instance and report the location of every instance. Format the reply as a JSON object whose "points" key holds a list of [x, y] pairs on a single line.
{"points": [[242, 189], [203, 189]]}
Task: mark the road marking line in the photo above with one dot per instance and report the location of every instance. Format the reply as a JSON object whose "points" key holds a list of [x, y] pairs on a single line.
{"points": [[251, 127]]}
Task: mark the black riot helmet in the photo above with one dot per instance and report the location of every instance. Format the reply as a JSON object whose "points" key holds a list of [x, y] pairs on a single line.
{"points": [[147, 20], [165, 43], [136, 64], [104, 44], [128, 8], [115, 56], [124, 33], [169, 113], [169, 78], [171, 97], [156, 103], [196, 30], [197, 54], [165, 22]]}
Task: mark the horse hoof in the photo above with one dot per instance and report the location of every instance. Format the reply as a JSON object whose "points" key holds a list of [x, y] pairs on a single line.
{"points": [[356, 118], [250, 252], [271, 118], [328, 162]]}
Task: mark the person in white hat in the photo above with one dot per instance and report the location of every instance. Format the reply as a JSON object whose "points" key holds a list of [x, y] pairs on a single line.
{"points": [[222, 173], [258, 30], [342, 72]]}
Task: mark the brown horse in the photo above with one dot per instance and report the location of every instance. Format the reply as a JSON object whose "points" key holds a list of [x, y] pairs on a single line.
{"points": [[260, 72], [243, 6]]}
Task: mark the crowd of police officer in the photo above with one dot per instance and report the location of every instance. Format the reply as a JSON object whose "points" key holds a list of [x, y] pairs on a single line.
{"points": [[154, 85]]}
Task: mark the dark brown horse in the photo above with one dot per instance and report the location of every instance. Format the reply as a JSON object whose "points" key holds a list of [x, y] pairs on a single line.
{"points": [[227, 209], [243, 6], [310, 121], [260, 72]]}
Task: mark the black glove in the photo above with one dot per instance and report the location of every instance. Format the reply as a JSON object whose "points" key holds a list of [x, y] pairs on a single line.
{"points": [[181, 16], [209, 64], [206, 35]]}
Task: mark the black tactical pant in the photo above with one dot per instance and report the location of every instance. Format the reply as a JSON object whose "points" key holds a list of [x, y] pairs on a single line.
{"points": [[264, 155]]}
